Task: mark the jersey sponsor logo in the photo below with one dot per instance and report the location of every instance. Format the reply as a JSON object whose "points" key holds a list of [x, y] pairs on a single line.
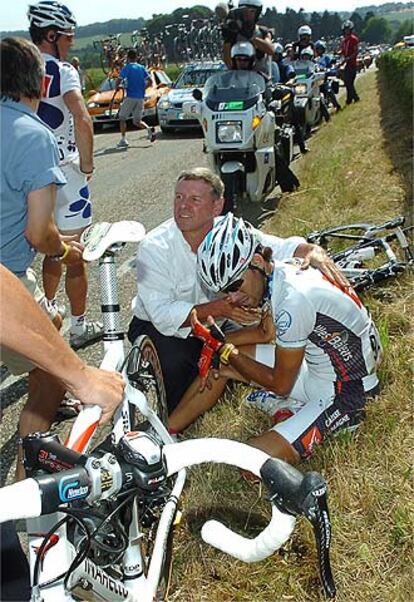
{"points": [[283, 322], [337, 340], [310, 439]]}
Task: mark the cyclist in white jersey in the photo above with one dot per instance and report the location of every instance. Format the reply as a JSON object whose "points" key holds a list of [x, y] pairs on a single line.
{"points": [[326, 344], [62, 108]]}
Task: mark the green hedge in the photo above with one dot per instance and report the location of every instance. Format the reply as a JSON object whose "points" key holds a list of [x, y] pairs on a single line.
{"points": [[397, 67]]}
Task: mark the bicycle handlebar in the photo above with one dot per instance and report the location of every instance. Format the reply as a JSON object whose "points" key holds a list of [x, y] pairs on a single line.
{"points": [[290, 492]]}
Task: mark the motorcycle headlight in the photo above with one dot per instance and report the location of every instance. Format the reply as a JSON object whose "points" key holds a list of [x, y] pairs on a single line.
{"points": [[300, 89], [229, 131], [164, 104]]}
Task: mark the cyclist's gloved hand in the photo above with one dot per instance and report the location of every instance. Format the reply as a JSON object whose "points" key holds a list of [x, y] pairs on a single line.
{"points": [[213, 339], [211, 335]]}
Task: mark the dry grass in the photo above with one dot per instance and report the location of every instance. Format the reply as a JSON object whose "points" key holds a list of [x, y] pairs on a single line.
{"points": [[350, 175]]}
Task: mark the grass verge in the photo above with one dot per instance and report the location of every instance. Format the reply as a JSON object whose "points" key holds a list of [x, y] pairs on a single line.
{"points": [[357, 171]]}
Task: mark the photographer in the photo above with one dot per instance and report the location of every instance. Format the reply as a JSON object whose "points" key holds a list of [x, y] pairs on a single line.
{"points": [[241, 25]]}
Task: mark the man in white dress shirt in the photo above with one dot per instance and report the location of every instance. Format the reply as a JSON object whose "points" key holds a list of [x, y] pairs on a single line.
{"points": [[168, 288]]}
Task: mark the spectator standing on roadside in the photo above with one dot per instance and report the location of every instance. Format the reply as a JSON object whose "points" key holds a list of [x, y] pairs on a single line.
{"points": [[76, 63], [349, 51], [134, 77], [30, 175], [168, 288], [62, 108]]}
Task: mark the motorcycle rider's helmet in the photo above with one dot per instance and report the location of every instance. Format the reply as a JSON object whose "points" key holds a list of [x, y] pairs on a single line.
{"points": [[243, 50], [225, 253], [49, 13], [277, 48], [307, 53], [257, 4], [347, 25], [320, 45], [304, 30]]}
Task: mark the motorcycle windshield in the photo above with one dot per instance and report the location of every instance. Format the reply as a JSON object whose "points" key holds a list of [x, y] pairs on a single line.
{"points": [[234, 88]]}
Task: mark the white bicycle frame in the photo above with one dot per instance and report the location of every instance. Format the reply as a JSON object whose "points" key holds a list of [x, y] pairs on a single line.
{"points": [[102, 242]]}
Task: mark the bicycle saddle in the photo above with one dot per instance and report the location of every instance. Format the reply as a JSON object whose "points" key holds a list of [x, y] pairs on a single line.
{"points": [[98, 238]]}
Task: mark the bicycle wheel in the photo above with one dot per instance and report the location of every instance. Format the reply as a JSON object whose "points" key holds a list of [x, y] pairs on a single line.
{"points": [[144, 372]]}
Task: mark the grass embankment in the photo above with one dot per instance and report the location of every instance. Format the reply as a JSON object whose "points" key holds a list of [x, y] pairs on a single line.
{"points": [[352, 174]]}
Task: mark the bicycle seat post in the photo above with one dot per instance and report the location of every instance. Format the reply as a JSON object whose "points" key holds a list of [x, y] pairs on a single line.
{"points": [[109, 300]]}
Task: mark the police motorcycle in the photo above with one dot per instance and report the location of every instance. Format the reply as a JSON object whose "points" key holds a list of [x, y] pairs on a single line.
{"points": [[307, 91], [241, 140], [327, 64]]}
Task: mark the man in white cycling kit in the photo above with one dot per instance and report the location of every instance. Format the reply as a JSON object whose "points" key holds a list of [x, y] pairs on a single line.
{"points": [[52, 29], [168, 288], [327, 347]]}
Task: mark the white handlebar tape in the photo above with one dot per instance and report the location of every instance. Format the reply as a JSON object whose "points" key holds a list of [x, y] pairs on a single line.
{"points": [[20, 500], [265, 544], [224, 451], [197, 451]]}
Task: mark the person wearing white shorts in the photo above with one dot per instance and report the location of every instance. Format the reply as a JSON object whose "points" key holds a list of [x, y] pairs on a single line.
{"points": [[62, 108], [327, 347]]}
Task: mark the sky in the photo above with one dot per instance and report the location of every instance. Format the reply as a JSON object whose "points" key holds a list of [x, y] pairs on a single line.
{"points": [[13, 14]]}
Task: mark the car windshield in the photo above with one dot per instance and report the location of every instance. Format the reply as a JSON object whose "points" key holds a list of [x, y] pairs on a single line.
{"points": [[234, 86], [107, 84], [193, 78], [163, 78]]}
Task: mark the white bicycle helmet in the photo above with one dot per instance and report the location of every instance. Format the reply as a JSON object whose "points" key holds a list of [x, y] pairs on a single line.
{"points": [[49, 13], [304, 30], [242, 49], [225, 253], [278, 48], [347, 24], [257, 4]]}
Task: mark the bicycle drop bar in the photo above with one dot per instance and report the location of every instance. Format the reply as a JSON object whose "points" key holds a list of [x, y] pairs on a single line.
{"points": [[139, 461]]}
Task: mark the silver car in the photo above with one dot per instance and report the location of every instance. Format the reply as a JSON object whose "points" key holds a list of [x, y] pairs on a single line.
{"points": [[194, 75]]}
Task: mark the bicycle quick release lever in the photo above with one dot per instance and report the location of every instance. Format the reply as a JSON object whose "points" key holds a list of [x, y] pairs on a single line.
{"points": [[295, 494]]}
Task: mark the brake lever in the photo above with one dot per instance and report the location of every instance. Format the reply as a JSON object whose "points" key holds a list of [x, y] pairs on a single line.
{"points": [[294, 493]]}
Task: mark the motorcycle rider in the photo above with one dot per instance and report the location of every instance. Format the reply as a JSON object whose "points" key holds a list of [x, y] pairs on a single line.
{"points": [[242, 26], [286, 76], [304, 40], [349, 51], [325, 61]]}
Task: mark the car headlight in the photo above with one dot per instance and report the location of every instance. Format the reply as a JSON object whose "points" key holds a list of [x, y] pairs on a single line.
{"points": [[300, 89], [164, 104], [229, 131], [92, 105]]}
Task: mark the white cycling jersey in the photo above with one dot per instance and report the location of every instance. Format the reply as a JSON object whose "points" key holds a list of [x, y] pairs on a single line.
{"points": [[60, 78], [341, 341]]}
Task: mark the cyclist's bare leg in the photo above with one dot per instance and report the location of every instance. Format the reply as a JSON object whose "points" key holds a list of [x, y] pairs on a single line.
{"points": [[44, 396], [276, 446], [76, 281], [194, 403], [123, 127]]}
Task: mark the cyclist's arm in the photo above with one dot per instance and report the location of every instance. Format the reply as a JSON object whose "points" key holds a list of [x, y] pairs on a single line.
{"points": [[279, 379], [83, 128]]}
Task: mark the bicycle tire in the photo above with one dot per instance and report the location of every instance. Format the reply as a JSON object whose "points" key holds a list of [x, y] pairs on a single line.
{"points": [[144, 372]]}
